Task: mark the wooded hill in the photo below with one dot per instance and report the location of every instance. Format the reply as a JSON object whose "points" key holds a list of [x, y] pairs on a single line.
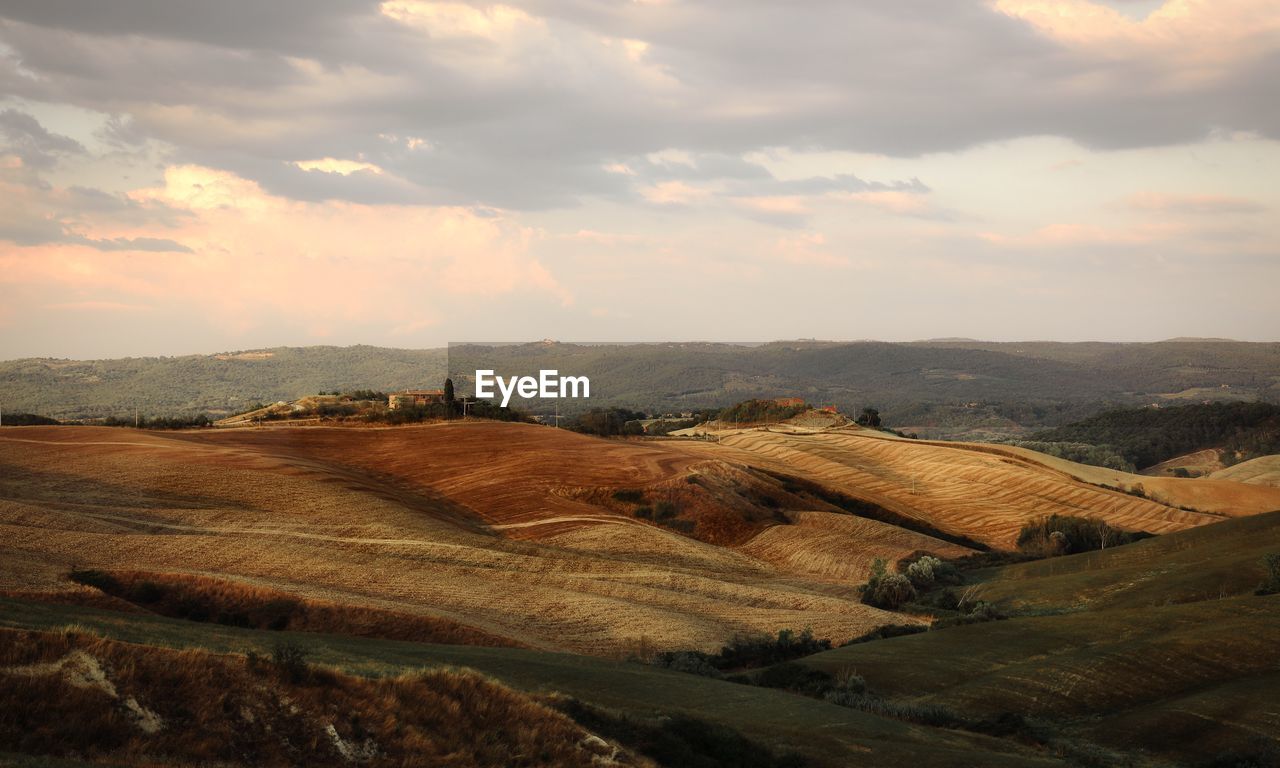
{"points": [[1003, 387], [1148, 436]]}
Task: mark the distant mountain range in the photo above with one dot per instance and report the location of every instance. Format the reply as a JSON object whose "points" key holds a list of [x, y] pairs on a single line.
{"points": [[945, 388]]}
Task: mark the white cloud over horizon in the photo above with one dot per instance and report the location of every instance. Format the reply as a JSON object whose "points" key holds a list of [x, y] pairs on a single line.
{"points": [[409, 172]]}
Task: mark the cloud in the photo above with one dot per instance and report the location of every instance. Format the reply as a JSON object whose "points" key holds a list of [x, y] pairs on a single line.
{"points": [[340, 167], [534, 104], [1184, 204], [29, 141], [241, 256]]}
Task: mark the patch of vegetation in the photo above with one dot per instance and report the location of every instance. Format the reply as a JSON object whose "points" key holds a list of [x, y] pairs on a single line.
{"points": [[1148, 436], [290, 662], [870, 417], [1272, 585], [746, 652], [228, 603], [679, 739], [1107, 456], [28, 420], [1066, 534], [159, 422], [759, 411], [886, 590], [144, 706], [629, 495], [664, 427], [608, 422]]}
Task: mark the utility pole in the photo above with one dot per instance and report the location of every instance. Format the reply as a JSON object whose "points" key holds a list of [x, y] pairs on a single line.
{"points": [[135, 417]]}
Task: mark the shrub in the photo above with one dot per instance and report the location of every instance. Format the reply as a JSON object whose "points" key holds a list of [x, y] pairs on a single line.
{"points": [[96, 579], [1065, 534], [929, 571], [1272, 585], [796, 677], [887, 590], [665, 510], [629, 495], [680, 526], [756, 411], [690, 662], [750, 651], [290, 662]]}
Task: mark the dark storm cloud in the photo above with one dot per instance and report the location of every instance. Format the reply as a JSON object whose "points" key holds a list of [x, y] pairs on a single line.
{"points": [[530, 121]]}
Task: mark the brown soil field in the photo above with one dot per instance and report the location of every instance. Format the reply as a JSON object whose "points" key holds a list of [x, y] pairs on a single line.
{"points": [[984, 492]]}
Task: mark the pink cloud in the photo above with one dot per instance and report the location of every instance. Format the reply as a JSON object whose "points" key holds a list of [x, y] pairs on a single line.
{"points": [[254, 256], [1157, 202]]}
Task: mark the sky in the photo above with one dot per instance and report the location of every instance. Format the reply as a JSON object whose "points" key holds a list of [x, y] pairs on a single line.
{"points": [[193, 177]]}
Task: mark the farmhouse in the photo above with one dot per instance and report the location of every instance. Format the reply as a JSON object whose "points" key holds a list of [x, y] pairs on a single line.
{"points": [[415, 397]]}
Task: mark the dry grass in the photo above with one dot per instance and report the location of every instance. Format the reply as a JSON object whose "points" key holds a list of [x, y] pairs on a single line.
{"points": [[1197, 464], [487, 525], [513, 530], [71, 694], [817, 544], [982, 492], [1264, 470], [203, 598]]}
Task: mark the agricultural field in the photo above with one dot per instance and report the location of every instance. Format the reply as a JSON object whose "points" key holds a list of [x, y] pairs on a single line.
{"points": [[983, 492], [562, 568]]}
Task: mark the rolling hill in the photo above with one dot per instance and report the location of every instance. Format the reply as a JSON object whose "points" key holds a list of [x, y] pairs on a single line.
{"points": [[935, 388], [553, 556], [1157, 648]]}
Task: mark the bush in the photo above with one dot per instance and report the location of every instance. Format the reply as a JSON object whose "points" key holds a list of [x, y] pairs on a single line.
{"points": [[28, 420], [608, 422], [796, 677], [929, 571], [689, 662], [94, 578], [290, 662], [750, 651], [629, 495], [1066, 534], [887, 590], [1272, 585], [756, 411]]}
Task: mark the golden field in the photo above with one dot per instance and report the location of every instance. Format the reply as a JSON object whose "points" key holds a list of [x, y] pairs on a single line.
{"points": [[527, 533]]}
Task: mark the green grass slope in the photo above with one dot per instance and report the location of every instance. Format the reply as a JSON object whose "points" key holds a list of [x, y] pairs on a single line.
{"points": [[1158, 648], [1205, 563]]}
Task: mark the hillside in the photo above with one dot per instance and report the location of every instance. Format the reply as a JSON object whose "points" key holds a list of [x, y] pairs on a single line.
{"points": [[985, 493], [543, 557], [1157, 648], [1264, 470], [774, 720], [513, 529], [936, 388], [1150, 436]]}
